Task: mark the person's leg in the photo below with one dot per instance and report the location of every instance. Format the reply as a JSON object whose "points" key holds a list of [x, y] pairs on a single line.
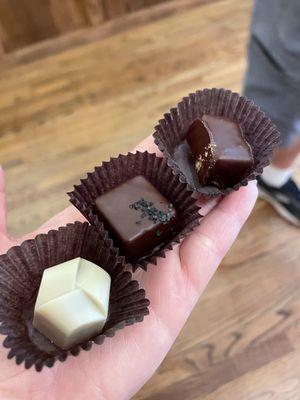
{"points": [[273, 82], [284, 157]]}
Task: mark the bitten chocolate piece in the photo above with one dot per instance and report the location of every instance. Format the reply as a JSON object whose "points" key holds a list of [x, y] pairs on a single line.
{"points": [[221, 154], [137, 216], [72, 303]]}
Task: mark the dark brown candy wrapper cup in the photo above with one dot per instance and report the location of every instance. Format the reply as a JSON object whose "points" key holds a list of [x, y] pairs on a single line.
{"points": [[155, 169], [259, 131], [21, 270]]}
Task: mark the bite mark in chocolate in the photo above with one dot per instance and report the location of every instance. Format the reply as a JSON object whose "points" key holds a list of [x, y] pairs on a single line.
{"points": [[222, 156]]}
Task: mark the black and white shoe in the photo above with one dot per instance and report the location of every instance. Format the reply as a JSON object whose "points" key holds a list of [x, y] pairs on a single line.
{"points": [[285, 200]]}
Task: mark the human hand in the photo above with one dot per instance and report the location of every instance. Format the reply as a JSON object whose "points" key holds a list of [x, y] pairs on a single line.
{"points": [[117, 369]]}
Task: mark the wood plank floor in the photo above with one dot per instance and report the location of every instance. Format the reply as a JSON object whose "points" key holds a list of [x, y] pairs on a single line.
{"points": [[62, 114]]}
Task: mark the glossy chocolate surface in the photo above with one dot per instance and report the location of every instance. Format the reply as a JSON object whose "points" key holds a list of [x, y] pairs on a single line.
{"points": [[221, 154], [137, 216], [72, 302]]}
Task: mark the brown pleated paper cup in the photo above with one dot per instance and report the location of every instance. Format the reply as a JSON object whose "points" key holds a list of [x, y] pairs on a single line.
{"points": [[258, 129], [21, 270], [155, 169]]}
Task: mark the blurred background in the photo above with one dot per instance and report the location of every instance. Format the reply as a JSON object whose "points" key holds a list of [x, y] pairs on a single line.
{"points": [[83, 80]]}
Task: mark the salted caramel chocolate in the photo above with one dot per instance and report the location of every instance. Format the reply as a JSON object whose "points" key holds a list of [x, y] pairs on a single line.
{"points": [[138, 217], [72, 302], [221, 154]]}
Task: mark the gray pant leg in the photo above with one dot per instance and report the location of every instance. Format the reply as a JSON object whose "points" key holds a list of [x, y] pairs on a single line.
{"points": [[273, 75]]}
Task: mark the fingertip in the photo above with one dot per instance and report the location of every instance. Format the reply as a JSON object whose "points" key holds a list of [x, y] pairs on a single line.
{"points": [[148, 145], [1, 178], [252, 193], [203, 250], [251, 189], [2, 201], [240, 202], [68, 215]]}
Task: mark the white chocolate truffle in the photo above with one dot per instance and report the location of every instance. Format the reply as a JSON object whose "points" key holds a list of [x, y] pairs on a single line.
{"points": [[72, 303]]}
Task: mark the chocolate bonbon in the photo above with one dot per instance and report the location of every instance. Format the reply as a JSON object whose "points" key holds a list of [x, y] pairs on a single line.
{"points": [[138, 216], [72, 303], [258, 130], [221, 154], [19, 292], [177, 214]]}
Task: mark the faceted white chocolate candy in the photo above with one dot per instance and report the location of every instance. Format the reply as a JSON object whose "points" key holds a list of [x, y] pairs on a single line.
{"points": [[72, 302]]}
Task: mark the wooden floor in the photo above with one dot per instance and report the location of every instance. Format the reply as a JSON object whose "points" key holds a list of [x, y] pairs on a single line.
{"points": [[67, 106]]}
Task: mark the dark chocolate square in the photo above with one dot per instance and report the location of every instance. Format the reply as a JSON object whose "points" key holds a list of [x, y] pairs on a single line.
{"points": [[222, 156], [137, 216]]}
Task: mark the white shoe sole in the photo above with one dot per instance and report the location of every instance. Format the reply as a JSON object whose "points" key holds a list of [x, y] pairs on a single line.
{"points": [[281, 210]]}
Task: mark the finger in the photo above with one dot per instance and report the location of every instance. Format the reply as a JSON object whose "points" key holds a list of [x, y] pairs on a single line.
{"points": [[3, 211], [203, 250], [206, 205], [71, 213], [68, 215], [148, 145]]}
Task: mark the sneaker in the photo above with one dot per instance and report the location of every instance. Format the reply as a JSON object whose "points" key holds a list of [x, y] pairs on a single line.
{"points": [[285, 199]]}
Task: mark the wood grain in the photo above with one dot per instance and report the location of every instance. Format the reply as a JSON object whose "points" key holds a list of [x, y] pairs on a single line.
{"points": [[79, 37], [100, 98], [24, 22], [117, 8], [28, 21], [63, 113]]}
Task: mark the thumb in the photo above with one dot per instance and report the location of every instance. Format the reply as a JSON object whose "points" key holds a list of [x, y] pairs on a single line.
{"points": [[2, 202]]}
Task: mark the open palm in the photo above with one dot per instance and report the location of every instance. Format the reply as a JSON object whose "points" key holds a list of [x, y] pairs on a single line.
{"points": [[118, 368]]}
